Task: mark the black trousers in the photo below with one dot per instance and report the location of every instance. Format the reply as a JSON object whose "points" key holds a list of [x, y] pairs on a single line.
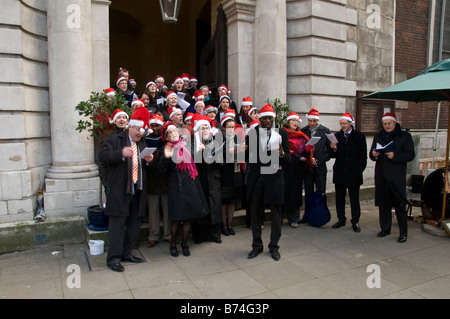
{"points": [[353, 192], [315, 182], [124, 232], [256, 206], [385, 212]]}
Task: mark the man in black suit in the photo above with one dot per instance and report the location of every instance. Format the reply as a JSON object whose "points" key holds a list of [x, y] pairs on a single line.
{"points": [[266, 149], [126, 181], [351, 161]]}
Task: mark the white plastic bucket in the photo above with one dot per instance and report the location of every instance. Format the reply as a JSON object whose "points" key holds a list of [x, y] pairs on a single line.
{"points": [[96, 247]]}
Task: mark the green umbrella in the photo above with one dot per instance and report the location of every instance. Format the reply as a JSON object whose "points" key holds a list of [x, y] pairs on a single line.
{"points": [[431, 84]]}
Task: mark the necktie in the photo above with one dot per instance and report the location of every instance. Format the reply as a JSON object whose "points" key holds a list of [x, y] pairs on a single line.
{"points": [[135, 163], [346, 136]]}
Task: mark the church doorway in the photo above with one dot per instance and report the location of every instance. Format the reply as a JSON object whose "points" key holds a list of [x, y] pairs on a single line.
{"points": [[144, 45]]}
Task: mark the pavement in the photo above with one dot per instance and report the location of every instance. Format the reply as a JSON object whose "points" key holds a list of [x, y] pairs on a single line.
{"points": [[316, 263]]}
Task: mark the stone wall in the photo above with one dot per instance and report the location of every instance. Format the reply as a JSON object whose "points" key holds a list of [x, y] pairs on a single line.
{"points": [[25, 148]]}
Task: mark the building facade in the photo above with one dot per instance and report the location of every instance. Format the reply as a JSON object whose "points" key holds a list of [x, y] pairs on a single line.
{"points": [[307, 53]]}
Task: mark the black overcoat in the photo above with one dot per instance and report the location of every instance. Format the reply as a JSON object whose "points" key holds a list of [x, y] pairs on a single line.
{"points": [[255, 158], [321, 148], [118, 179], [392, 172], [351, 158]]}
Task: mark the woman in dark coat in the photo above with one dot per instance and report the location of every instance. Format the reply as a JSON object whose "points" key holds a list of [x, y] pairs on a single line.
{"points": [[185, 194], [231, 181], [294, 171], [390, 174], [207, 227]]}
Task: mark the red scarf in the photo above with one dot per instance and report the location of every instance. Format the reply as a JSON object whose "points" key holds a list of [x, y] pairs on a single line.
{"points": [[184, 160], [297, 145]]}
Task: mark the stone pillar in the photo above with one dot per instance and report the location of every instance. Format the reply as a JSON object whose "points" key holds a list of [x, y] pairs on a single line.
{"points": [[270, 51], [73, 176], [100, 45], [241, 47]]}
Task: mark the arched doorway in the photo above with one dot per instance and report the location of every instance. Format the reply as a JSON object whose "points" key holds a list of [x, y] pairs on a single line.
{"points": [[144, 45]]}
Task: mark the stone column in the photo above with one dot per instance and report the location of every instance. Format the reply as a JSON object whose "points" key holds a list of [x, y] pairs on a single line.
{"points": [[100, 45], [241, 48], [270, 51], [73, 172]]}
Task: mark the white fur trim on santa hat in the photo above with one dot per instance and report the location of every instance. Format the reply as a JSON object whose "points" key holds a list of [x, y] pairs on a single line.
{"points": [[290, 117], [388, 117], [268, 113], [168, 128], [119, 80], [348, 118], [111, 121], [200, 123], [137, 123], [175, 110]]}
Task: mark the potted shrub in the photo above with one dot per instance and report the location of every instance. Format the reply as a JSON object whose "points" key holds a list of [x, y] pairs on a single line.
{"points": [[95, 113]]}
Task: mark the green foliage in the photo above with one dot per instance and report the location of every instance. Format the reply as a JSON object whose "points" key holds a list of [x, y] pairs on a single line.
{"points": [[281, 110], [95, 113]]}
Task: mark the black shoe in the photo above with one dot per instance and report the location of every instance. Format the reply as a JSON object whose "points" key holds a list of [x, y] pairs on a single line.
{"points": [[401, 239], [185, 249], [225, 232], [302, 221], [231, 231], [275, 254], [133, 259], [356, 227], [383, 233], [173, 250], [255, 252], [339, 224], [116, 267]]}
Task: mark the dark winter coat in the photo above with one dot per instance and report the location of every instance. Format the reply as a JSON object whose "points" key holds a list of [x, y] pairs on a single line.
{"points": [[209, 175], [321, 148], [273, 183], [118, 178], [392, 171], [185, 195], [351, 159]]}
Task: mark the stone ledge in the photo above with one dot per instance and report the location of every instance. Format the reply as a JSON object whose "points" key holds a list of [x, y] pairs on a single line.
{"points": [[27, 235]]}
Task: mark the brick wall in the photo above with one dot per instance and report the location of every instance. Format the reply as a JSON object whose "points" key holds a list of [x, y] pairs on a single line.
{"points": [[410, 58]]}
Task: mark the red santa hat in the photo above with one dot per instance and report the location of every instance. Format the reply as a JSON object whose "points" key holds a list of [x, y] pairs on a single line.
{"points": [[170, 94], [140, 118], [199, 120], [192, 79], [293, 115], [178, 78], [132, 81], [199, 95], [223, 87], [185, 77], [267, 110], [247, 101], [250, 110], [165, 128], [210, 108], [116, 114], [389, 116], [120, 79], [159, 78], [148, 84], [156, 119], [230, 112], [313, 114], [198, 103], [137, 102], [188, 117], [254, 123], [110, 92], [172, 111], [224, 97], [224, 119], [347, 116]]}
